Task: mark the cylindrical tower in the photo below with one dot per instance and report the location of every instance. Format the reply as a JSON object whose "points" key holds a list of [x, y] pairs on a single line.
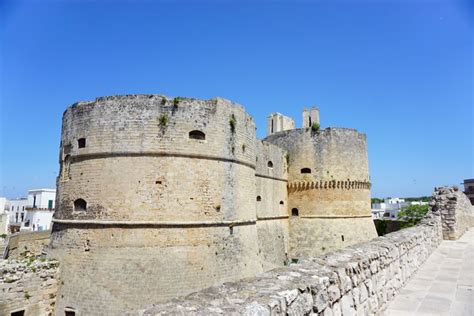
{"points": [[147, 200], [328, 189]]}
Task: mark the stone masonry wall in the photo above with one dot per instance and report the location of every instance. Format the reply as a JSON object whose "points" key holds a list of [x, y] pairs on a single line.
{"points": [[456, 211], [360, 279], [27, 242], [328, 189], [271, 176], [28, 285]]}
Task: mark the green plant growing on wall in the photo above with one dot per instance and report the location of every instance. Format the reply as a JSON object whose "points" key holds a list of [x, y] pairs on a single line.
{"points": [[163, 101], [3, 236], [27, 295], [176, 101], [232, 123], [315, 127], [163, 120], [412, 214], [243, 148]]}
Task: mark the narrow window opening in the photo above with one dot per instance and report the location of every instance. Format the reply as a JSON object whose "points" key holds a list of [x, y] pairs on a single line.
{"points": [[342, 237], [65, 168], [270, 164], [18, 313], [69, 313], [281, 203], [81, 142], [306, 170], [294, 212], [197, 135], [272, 126], [259, 198], [310, 121], [80, 205]]}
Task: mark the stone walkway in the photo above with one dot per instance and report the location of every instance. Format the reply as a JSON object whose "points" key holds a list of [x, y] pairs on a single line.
{"points": [[443, 285]]}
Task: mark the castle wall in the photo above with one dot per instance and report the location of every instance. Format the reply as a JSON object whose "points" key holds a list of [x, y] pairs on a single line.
{"points": [[166, 214], [456, 211], [328, 189], [358, 280], [27, 243], [28, 285], [272, 205]]}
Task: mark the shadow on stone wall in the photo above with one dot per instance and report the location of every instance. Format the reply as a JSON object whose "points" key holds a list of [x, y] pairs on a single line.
{"points": [[388, 226]]}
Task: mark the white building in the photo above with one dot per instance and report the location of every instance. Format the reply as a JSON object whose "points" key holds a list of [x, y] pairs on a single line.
{"points": [[34, 212], [39, 212], [17, 213], [4, 215], [390, 207]]}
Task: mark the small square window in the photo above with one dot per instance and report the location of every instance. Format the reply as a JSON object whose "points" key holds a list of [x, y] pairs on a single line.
{"points": [[81, 142]]}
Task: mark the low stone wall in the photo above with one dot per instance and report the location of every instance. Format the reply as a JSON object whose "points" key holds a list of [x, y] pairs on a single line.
{"points": [[29, 285], [456, 211], [27, 242], [360, 279]]}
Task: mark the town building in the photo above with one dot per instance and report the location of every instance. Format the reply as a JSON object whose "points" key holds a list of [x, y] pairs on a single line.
{"points": [[469, 189], [32, 213], [390, 207], [4, 216], [17, 213], [39, 212]]}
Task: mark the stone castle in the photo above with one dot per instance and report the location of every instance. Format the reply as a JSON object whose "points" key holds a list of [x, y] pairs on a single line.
{"points": [[160, 197]]}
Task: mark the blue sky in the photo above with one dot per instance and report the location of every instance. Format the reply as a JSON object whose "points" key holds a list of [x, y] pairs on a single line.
{"points": [[400, 71]]}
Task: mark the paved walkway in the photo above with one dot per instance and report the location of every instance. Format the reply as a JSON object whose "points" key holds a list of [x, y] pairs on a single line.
{"points": [[443, 285]]}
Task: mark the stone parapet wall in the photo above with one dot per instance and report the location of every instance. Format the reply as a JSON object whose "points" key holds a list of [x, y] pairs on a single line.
{"points": [[28, 285], [27, 242], [456, 211], [360, 279]]}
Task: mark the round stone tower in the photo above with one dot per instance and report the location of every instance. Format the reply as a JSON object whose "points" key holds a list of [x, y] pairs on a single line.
{"points": [[147, 201], [328, 189]]}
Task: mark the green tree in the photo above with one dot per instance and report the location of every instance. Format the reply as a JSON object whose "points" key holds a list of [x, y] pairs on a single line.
{"points": [[412, 214], [376, 200]]}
